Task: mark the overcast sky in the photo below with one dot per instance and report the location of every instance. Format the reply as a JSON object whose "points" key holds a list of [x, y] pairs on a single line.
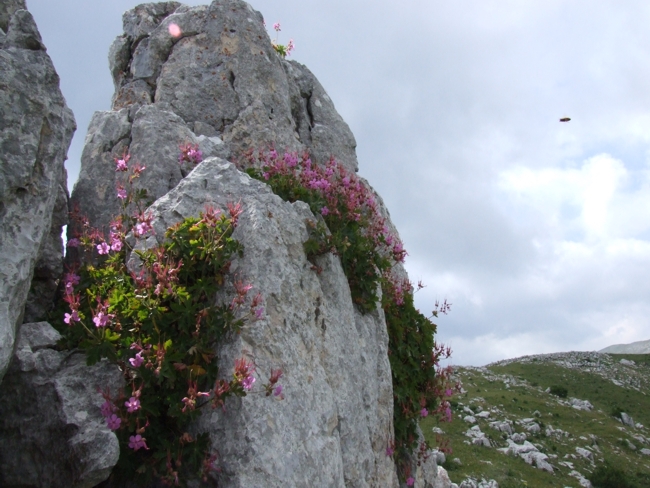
{"points": [[538, 232]]}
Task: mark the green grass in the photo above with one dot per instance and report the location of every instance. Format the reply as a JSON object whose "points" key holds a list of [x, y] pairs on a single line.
{"points": [[522, 400]]}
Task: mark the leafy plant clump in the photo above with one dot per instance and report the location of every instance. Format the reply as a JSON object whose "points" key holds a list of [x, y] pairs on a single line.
{"points": [[281, 49], [159, 323], [352, 228], [559, 391]]}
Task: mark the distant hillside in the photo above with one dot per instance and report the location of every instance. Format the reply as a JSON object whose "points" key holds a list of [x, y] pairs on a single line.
{"points": [[641, 347], [555, 420]]}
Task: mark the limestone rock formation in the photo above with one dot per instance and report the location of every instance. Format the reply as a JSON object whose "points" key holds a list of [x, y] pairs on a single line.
{"points": [[640, 347], [220, 79], [220, 85], [334, 424], [36, 128], [51, 431]]}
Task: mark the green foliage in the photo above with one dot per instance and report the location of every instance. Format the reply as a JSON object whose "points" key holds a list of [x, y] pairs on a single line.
{"points": [[158, 321], [352, 228], [608, 476], [559, 391], [161, 329]]}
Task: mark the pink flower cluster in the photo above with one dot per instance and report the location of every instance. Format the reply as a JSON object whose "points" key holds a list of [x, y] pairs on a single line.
{"points": [[190, 153], [72, 299], [244, 373], [109, 413], [346, 196]]}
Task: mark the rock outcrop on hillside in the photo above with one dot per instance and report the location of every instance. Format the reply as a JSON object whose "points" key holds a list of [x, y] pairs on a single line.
{"points": [[640, 347], [219, 85], [36, 129]]}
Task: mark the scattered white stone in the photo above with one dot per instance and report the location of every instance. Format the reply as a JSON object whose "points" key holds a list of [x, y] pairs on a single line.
{"points": [[515, 449], [468, 411], [483, 415], [538, 459], [585, 453], [534, 428], [627, 362], [630, 445], [584, 482], [469, 419], [478, 437], [645, 451], [581, 404], [518, 437], [627, 420], [437, 430], [504, 426]]}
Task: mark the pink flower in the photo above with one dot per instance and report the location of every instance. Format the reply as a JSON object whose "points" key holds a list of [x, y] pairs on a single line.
{"points": [[278, 390], [107, 409], [74, 242], [248, 382], [324, 211], [258, 313], [142, 228], [68, 318], [103, 248], [116, 245], [132, 405], [137, 361], [410, 481], [424, 412], [137, 441], [113, 422], [390, 451], [448, 392], [121, 193], [120, 164], [174, 30], [276, 26], [102, 319], [290, 47]]}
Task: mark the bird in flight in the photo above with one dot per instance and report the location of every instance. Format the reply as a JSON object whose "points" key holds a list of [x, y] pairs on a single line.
{"points": [[565, 119]]}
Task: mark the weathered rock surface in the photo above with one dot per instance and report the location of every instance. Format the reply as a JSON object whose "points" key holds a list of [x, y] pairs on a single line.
{"points": [[640, 347], [334, 425], [51, 430], [221, 79], [36, 128]]}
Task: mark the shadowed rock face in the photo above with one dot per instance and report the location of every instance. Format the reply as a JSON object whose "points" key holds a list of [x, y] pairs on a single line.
{"points": [[36, 128], [221, 79], [51, 429]]}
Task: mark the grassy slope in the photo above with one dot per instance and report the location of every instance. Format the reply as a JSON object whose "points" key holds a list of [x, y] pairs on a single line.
{"points": [[526, 395]]}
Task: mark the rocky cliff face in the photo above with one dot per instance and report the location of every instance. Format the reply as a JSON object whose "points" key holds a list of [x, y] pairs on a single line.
{"points": [[36, 128], [220, 85]]}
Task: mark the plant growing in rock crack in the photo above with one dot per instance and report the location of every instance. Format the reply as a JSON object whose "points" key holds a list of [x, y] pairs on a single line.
{"points": [[352, 228], [159, 323], [281, 49]]}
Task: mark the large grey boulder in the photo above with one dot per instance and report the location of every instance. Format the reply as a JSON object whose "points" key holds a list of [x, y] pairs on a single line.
{"points": [[36, 128], [221, 79], [335, 421], [52, 433]]}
